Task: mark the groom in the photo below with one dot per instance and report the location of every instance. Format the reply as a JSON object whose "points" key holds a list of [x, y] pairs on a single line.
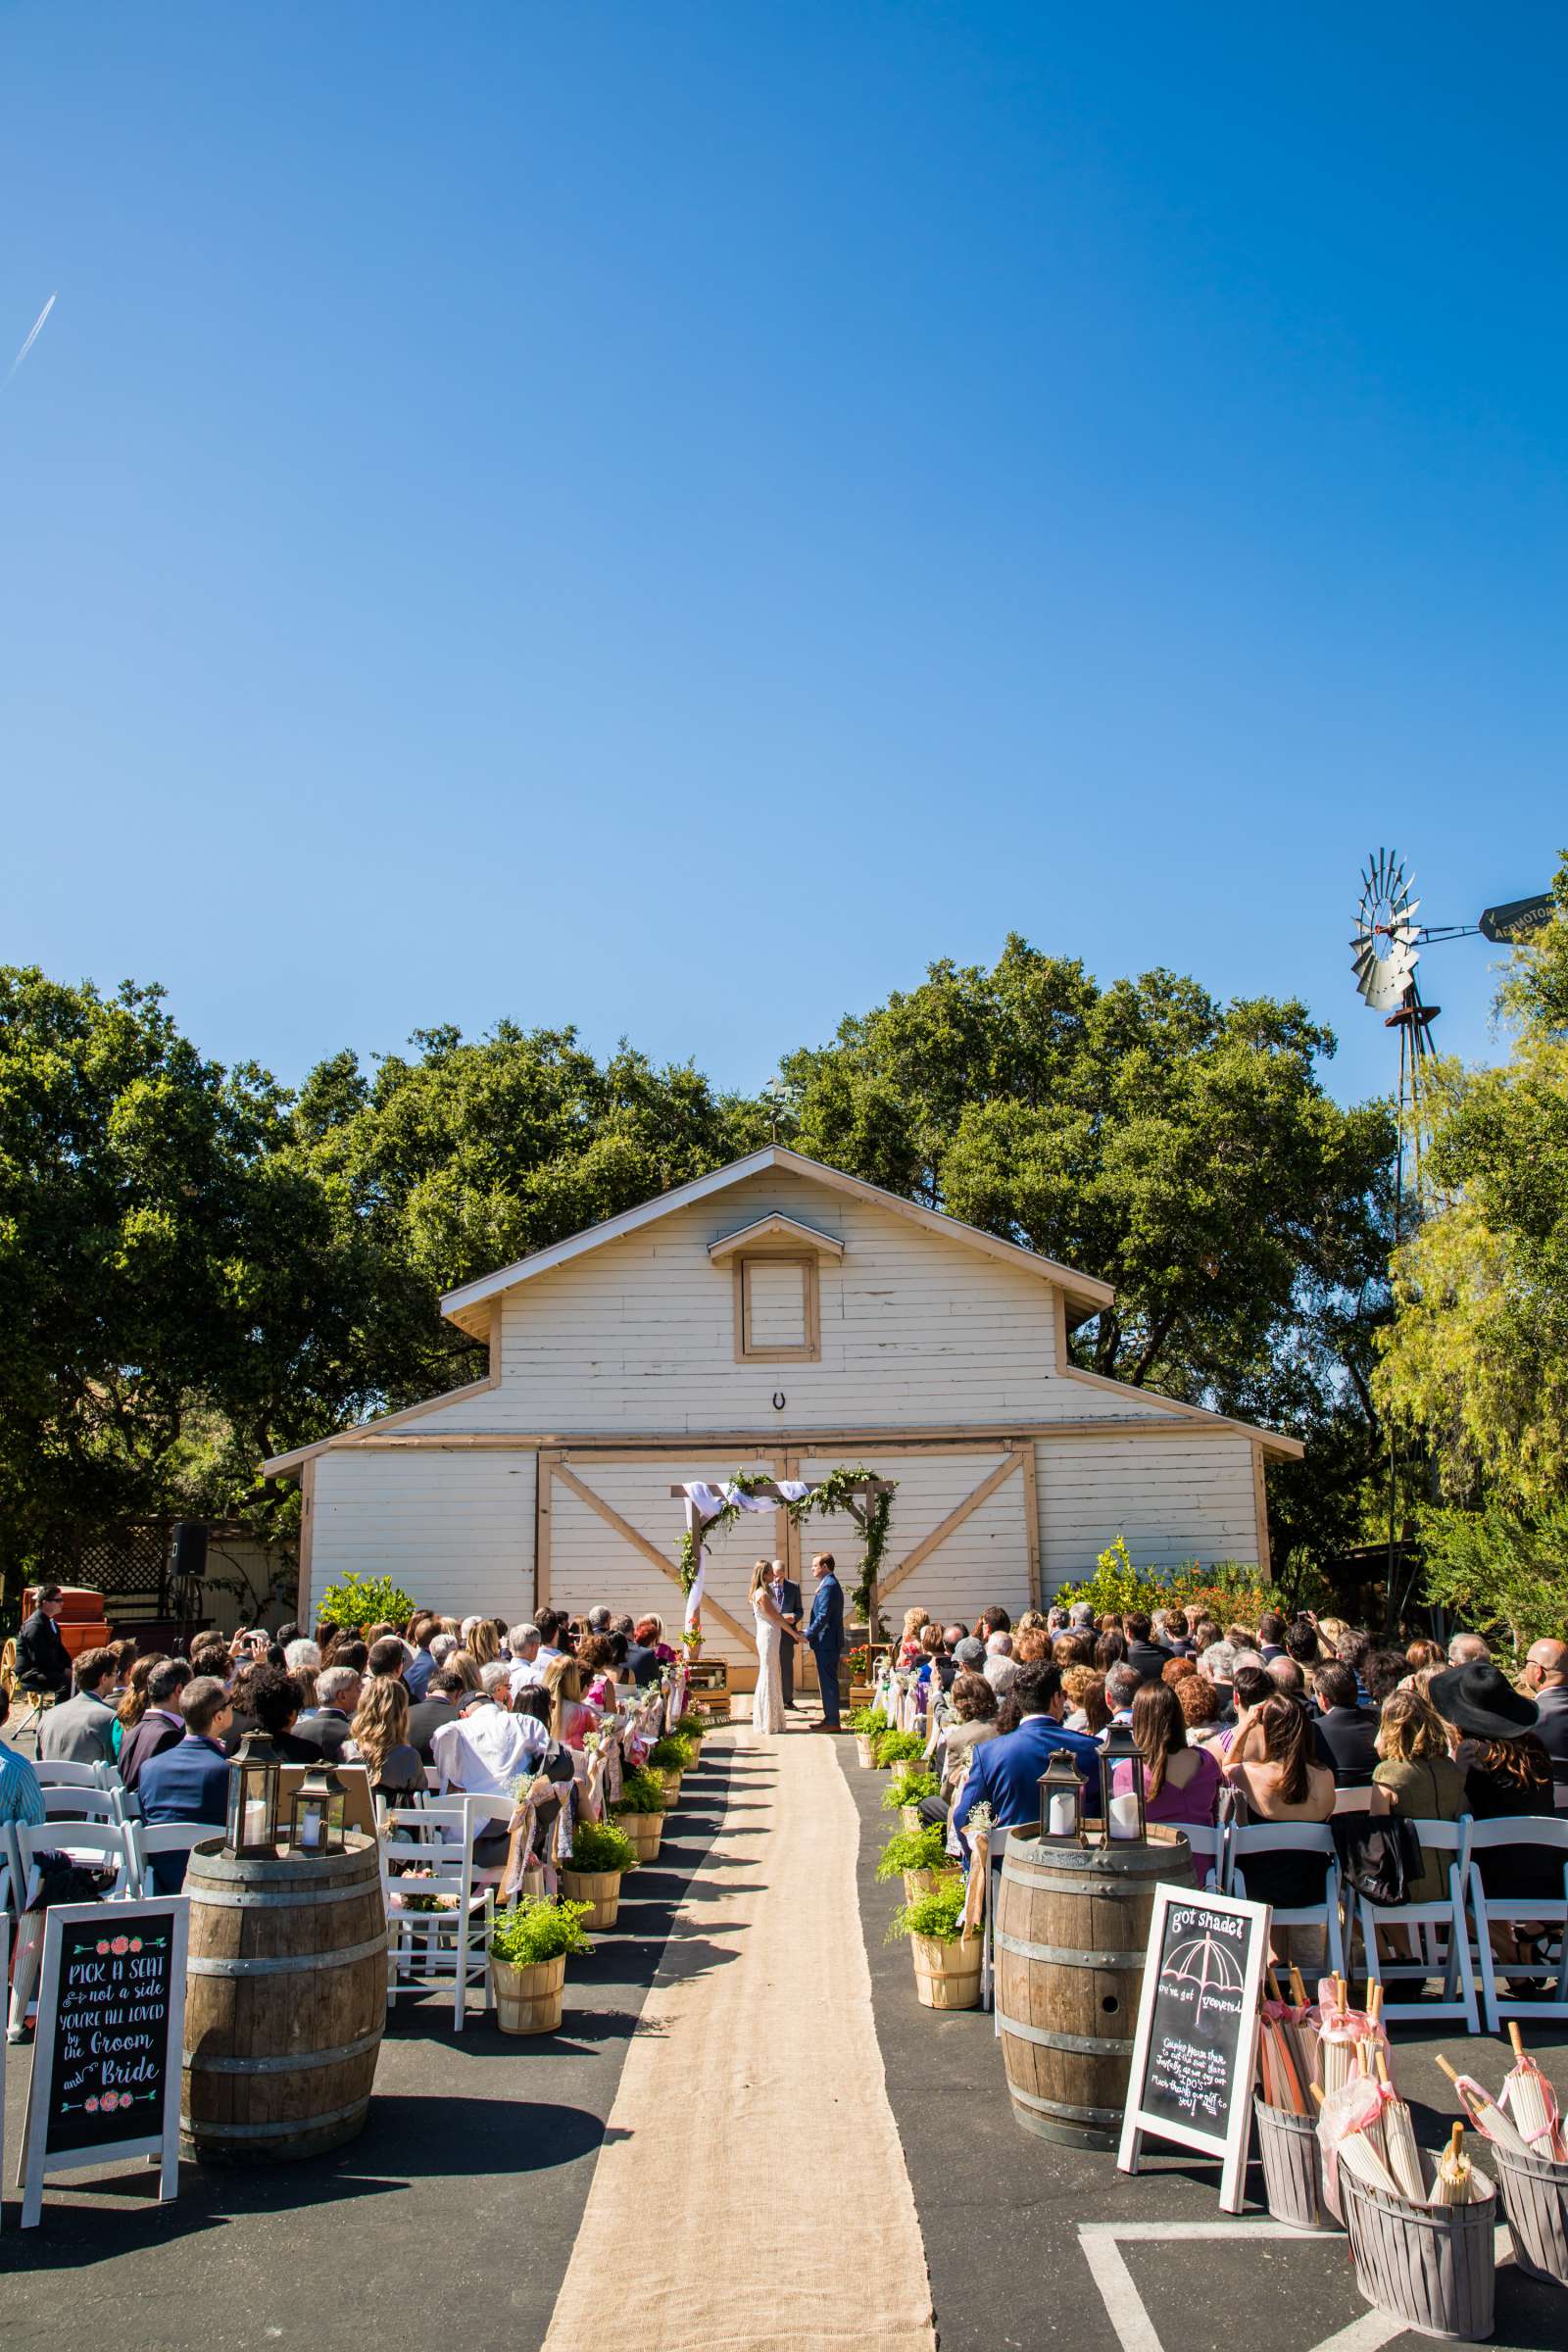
{"points": [[824, 1630]]}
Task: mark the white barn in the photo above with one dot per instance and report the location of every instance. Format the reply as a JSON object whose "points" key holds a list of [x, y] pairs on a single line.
{"points": [[778, 1316]]}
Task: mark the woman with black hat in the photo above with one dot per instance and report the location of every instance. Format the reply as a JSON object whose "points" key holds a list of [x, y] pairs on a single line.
{"points": [[1507, 1772]]}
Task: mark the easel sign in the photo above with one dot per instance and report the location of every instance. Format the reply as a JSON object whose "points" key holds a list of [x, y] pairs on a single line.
{"points": [[111, 2027], [1195, 2054]]}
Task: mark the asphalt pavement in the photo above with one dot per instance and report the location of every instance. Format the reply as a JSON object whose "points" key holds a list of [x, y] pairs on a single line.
{"points": [[1021, 2236]]}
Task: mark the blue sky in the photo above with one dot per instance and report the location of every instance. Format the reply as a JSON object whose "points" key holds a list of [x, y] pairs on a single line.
{"points": [[668, 517]]}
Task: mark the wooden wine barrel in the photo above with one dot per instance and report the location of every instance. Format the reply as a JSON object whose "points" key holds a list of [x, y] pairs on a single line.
{"points": [[1071, 1928], [285, 2001]]}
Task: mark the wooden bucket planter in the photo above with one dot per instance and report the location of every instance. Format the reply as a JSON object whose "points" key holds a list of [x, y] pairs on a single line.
{"points": [[1072, 1926], [1293, 2169], [947, 1976], [285, 2001], [529, 2000], [1433, 2266], [599, 1889], [864, 1751], [1535, 2197], [645, 1831], [671, 1780], [910, 1816]]}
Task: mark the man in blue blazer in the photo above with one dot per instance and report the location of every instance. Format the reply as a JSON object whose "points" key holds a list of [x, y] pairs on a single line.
{"points": [[1005, 1773], [824, 1630], [189, 1781]]}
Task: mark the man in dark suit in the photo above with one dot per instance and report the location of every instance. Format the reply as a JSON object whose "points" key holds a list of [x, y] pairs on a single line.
{"points": [[325, 1728], [1146, 1658], [1346, 1734], [1547, 1683], [787, 1601], [1271, 1631], [1004, 1773], [162, 1726], [442, 1704], [642, 1659], [43, 1662], [824, 1632], [190, 1781]]}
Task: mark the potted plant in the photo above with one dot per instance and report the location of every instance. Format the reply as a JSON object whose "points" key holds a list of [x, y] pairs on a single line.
{"points": [[639, 1810], [601, 1851], [857, 1662], [528, 1949], [669, 1757], [867, 1723], [919, 1857], [910, 1787], [899, 1748], [947, 1961]]}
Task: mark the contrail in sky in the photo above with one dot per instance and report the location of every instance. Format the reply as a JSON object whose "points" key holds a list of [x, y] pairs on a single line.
{"points": [[37, 329]]}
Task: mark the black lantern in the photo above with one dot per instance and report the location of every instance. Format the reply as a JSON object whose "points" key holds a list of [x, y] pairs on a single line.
{"points": [[1125, 1811], [254, 1777], [317, 1812], [1061, 1799]]}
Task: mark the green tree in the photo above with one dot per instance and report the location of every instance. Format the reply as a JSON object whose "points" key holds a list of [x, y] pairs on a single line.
{"points": [[1476, 1362], [1182, 1150]]}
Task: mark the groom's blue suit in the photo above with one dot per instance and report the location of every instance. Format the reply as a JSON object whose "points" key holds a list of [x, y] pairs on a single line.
{"points": [[824, 1630]]}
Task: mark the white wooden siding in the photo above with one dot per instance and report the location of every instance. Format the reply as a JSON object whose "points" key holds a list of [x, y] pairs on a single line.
{"points": [[1182, 1497], [456, 1529], [916, 1329], [985, 1560], [590, 1562]]}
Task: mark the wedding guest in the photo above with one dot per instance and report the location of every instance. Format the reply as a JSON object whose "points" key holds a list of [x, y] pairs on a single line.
{"points": [[1287, 1677], [1279, 1779], [973, 1721], [1507, 1773], [379, 1738], [642, 1659], [1346, 1733], [388, 1659], [1122, 1686], [1004, 1773], [481, 1640], [1253, 1684], [523, 1644], [273, 1702], [442, 1704], [1144, 1655], [1174, 1634], [1000, 1667], [1546, 1681], [325, 1728], [43, 1663], [1422, 1780], [461, 1663], [596, 1661], [1181, 1783], [570, 1720], [1468, 1649], [80, 1730], [1177, 1670], [1271, 1631], [1422, 1657], [160, 1725], [134, 1701], [1198, 1701], [1384, 1671], [650, 1629], [1084, 1690], [189, 1781], [423, 1630], [1110, 1649]]}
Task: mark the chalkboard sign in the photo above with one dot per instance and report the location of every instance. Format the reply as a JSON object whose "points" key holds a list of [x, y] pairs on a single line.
{"points": [[106, 2062], [1195, 2054]]}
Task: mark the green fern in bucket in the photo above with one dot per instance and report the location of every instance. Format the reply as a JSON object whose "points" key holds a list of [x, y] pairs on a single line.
{"points": [[913, 1850], [908, 1789]]}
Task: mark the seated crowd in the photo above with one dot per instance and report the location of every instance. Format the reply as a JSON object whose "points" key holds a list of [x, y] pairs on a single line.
{"points": [[1259, 1724]]}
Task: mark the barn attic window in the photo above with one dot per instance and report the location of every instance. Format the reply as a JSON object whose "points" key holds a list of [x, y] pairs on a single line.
{"points": [[775, 1264]]}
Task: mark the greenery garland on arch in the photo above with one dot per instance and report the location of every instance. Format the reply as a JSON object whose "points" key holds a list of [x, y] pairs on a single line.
{"points": [[829, 1496]]}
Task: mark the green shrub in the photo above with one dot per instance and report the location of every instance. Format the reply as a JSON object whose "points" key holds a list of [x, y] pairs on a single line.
{"points": [[899, 1748], [939, 1914], [641, 1792], [356, 1601], [674, 1752], [909, 1787], [867, 1720], [600, 1845], [913, 1850], [539, 1930]]}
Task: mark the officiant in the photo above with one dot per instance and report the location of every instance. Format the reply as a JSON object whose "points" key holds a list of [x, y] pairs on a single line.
{"points": [[787, 1601]]}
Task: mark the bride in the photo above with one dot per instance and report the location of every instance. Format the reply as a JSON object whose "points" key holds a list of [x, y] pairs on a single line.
{"points": [[767, 1701]]}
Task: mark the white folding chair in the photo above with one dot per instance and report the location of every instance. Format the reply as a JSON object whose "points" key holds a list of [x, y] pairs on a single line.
{"points": [[1209, 1841], [1535, 1834], [10, 1871], [1313, 1844], [450, 1943], [150, 1838], [1438, 1932], [92, 1843], [78, 1803], [59, 1773]]}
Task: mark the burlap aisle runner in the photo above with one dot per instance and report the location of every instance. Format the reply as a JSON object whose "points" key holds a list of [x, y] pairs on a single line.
{"points": [[751, 2193]]}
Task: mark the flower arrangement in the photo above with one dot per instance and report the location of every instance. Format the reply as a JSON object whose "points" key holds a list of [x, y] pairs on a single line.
{"points": [[540, 1928], [859, 1662], [910, 1789], [600, 1845], [938, 1915], [641, 1792], [913, 1850]]}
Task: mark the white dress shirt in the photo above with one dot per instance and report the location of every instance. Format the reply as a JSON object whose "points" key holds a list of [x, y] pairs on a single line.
{"points": [[487, 1750]]}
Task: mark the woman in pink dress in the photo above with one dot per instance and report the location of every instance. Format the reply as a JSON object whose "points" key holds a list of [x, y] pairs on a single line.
{"points": [[571, 1719], [1180, 1783]]}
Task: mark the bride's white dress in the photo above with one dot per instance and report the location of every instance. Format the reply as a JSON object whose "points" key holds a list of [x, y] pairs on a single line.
{"points": [[768, 1700]]}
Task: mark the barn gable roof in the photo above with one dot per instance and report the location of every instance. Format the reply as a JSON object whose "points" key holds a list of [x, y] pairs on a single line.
{"points": [[1083, 1292]]}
